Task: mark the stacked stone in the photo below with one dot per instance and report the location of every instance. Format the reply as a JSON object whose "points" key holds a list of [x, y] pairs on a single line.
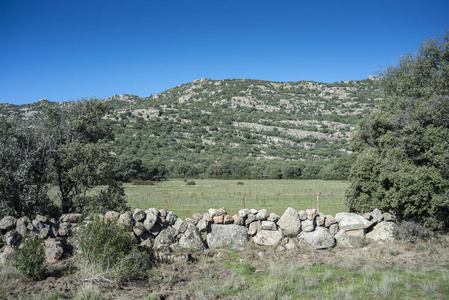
{"points": [[162, 231]]}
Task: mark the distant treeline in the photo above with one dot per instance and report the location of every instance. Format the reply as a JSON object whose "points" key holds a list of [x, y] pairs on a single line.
{"points": [[133, 168]]}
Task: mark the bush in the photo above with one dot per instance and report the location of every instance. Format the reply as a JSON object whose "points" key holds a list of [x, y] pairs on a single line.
{"points": [[191, 182], [142, 182], [412, 231], [107, 253], [30, 258]]}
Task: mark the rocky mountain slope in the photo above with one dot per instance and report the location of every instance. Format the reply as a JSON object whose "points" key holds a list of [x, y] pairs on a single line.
{"points": [[201, 124]]}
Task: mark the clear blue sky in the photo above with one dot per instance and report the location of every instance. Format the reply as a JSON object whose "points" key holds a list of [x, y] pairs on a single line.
{"points": [[68, 49]]}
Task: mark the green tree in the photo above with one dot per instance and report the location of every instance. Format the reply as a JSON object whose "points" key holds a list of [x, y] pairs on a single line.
{"points": [[79, 157], [23, 170], [404, 146]]}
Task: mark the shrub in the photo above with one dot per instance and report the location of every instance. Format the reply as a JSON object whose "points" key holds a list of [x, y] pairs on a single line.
{"points": [[107, 253], [30, 258], [413, 231], [142, 182], [191, 182], [240, 183]]}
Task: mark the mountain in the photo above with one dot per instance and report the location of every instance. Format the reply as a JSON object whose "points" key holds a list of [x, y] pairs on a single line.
{"points": [[241, 127]]}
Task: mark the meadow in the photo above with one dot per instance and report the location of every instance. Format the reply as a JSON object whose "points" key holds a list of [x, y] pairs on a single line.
{"points": [[273, 195]]}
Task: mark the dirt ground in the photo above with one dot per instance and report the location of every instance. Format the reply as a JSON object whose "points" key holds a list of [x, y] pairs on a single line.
{"points": [[168, 279]]}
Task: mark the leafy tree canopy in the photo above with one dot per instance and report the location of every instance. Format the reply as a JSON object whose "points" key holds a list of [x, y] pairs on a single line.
{"points": [[402, 166]]}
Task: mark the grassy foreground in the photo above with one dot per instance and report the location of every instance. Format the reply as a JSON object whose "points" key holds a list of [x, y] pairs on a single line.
{"points": [[273, 195]]}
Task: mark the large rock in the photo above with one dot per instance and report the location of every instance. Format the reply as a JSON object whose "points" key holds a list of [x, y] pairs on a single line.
{"points": [[21, 226], [180, 225], [146, 240], [308, 225], [71, 218], [244, 212], [384, 231], [139, 215], [320, 238], [302, 215], [273, 217], [238, 220], [351, 221], [262, 215], [254, 228], [111, 215], [329, 220], [7, 223], [150, 220], [249, 219], [233, 236], [268, 237], [54, 249], [191, 239], [268, 225], [351, 238], [12, 237], [126, 219], [377, 216], [202, 225], [290, 222], [166, 237]]}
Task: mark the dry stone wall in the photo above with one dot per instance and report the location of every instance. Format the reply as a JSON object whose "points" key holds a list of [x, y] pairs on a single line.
{"points": [[163, 232]]}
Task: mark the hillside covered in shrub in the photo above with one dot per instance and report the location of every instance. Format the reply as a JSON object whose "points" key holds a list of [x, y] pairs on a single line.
{"points": [[236, 128]]}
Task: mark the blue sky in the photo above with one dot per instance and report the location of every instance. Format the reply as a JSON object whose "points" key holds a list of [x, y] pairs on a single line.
{"points": [[64, 50]]}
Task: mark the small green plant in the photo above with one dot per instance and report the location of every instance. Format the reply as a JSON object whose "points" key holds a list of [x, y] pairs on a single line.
{"points": [[30, 258], [191, 182], [393, 252], [107, 253]]}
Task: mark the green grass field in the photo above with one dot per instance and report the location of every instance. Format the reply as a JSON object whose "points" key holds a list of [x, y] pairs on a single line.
{"points": [[273, 195]]}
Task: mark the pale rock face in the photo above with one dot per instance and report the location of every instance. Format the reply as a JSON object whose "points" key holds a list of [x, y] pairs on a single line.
{"points": [[320, 238], [329, 221], [126, 219], [268, 237], [7, 223], [351, 221], [180, 225], [376, 216], [238, 220], [150, 220], [351, 238], [311, 213], [333, 229], [302, 215], [227, 219], [191, 239], [249, 219], [384, 231], [290, 223], [213, 212], [234, 236], [320, 219], [53, 249], [139, 215], [268, 225], [253, 211], [146, 240], [243, 212], [202, 225], [254, 228], [262, 215], [166, 236], [273, 217], [308, 225], [111, 215]]}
